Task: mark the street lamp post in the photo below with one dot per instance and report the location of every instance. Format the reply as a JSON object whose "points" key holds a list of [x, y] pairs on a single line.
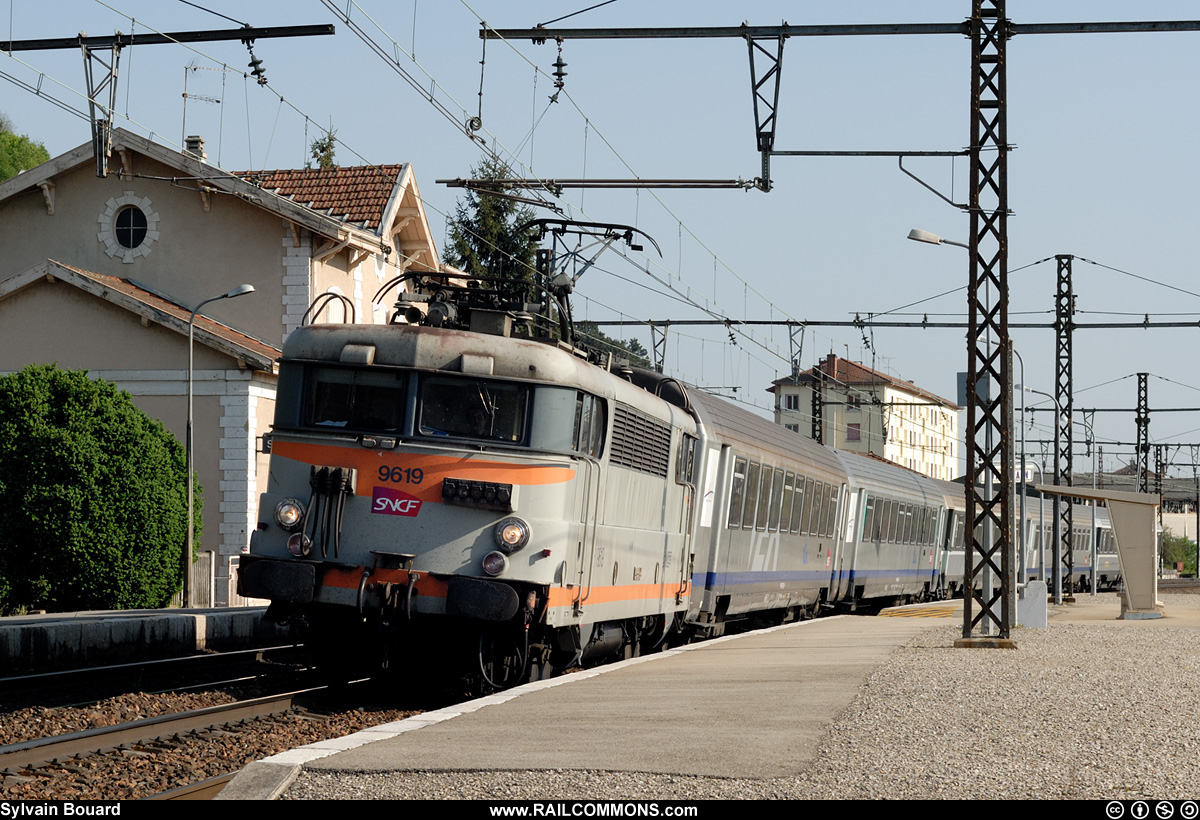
{"points": [[1021, 566], [188, 546], [1056, 572]]}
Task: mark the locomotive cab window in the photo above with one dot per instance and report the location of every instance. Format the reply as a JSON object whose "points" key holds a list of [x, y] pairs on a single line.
{"points": [[473, 408], [590, 423], [355, 399], [686, 461]]}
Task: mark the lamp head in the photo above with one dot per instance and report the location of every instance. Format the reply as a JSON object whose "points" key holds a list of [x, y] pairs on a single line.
{"points": [[918, 235]]}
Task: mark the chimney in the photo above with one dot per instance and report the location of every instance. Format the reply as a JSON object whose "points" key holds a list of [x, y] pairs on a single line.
{"points": [[194, 145], [829, 365]]}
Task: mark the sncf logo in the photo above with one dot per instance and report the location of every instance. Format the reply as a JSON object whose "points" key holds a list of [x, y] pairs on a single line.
{"points": [[387, 501]]}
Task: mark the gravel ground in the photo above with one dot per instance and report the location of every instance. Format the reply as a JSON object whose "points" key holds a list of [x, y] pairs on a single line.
{"points": [[137, 773], [1093, 711]]}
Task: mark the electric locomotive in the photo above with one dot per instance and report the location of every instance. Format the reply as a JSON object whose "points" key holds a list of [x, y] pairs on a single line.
{"points": [[497, 504]]}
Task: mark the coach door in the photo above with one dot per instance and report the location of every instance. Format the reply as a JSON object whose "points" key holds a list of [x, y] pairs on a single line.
{"points": [[841, 550]]}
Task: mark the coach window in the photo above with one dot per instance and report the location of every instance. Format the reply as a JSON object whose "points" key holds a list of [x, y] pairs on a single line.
{"points": [[831, 516], [765, 498], [798, 505], [823, 513], [816, 506], [737, 493], [752, 474], [776, 500], [789, 498], [811, 502]]}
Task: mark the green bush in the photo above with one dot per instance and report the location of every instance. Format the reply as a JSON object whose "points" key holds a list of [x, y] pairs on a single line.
{"points": [[93, 504], [1179, 549]]}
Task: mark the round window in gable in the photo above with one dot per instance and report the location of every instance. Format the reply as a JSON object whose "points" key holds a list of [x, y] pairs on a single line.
{"points": [[129, 227]]}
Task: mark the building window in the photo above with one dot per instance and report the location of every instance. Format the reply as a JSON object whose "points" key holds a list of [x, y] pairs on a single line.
{"points": [[129, 227], [853, 432], [795, 428], [791, 401], [854, 403]]}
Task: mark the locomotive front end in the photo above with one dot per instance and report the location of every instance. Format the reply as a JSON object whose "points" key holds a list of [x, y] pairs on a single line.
{"points": [[422, 493]]}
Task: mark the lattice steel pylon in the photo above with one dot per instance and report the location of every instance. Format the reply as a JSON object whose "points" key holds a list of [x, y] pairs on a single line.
{"points": [[1158, 488], [1064, 310], [658, 340], [764, 89], [817, 405], [101, 78], [1143, 434], [990, 452]]}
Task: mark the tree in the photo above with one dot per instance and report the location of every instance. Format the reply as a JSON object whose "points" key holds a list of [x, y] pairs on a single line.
{"points": [[1178, 549], [93, 505], [591, 336], [323, 149], [18, 152], [483, 240]]}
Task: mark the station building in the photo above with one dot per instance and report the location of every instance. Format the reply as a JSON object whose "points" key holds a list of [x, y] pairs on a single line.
{"points": [[102, 274], [865, 411]]}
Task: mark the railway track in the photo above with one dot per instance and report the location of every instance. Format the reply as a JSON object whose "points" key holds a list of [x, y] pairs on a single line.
{"points": [[204, 790], [31, 754], [181, 756], [193, 672]]}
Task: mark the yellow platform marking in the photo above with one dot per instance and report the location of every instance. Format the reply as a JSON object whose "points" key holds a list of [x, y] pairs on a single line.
{"points": [[948, 610]]}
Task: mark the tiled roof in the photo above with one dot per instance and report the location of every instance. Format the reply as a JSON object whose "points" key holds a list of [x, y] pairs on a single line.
{"points": [[356, 195], [159, 309], [844, 371]]}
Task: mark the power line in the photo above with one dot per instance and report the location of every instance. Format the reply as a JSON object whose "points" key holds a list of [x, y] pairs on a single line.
{"points": [[1140, 278]]}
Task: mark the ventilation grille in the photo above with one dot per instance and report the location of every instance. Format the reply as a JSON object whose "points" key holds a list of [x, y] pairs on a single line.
{"points": [[640, 443]]}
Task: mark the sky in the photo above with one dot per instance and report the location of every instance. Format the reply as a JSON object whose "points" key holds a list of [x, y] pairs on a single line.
{"points": [[1102, 166]]}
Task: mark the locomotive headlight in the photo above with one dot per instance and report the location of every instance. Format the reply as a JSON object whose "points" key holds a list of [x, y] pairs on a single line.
{"points": [[289, 513], [495, 563], [511, 535], [299, 544]]}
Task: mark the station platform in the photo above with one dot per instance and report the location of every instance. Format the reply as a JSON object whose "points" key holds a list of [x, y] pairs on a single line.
{"points": [[64, 640], [724, 708], [721, 708]]}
